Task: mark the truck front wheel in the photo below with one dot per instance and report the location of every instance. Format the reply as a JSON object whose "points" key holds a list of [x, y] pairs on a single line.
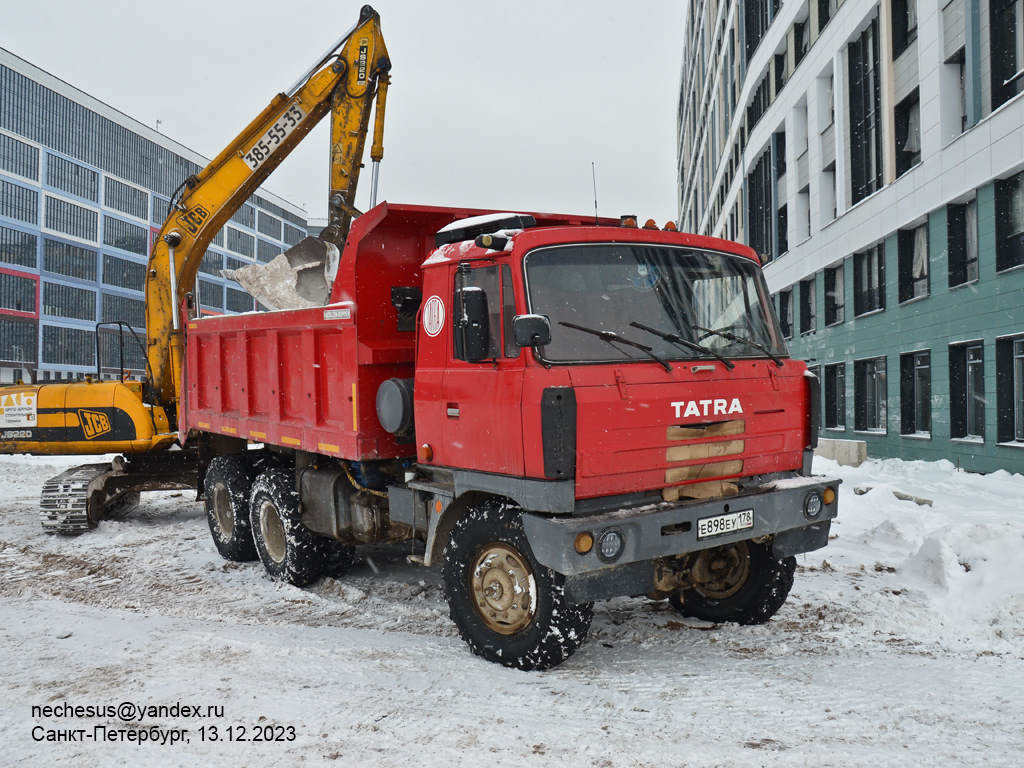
{"points": [[508, 607], [739, 582], [289, 551], [226, 492]]}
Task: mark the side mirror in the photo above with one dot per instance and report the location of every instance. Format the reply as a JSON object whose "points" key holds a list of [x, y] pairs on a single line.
{"points": [[474, 324], [530, 330]]}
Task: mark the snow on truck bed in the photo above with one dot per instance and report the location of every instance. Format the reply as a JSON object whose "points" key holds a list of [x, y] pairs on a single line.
{"points": [[902, 644]]}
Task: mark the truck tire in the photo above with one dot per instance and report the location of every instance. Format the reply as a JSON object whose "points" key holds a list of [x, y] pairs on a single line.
{"points": [[508, 607], [226, 492], [739, 583], [288, 550]]}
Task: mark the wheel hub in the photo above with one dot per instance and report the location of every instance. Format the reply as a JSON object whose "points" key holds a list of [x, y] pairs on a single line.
{"points": [[223, 511], [501, 584], [719, 573], [272, 528]]}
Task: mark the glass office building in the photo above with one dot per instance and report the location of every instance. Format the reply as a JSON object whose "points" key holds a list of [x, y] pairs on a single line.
{"points": [[84, 190], [872, 152]]}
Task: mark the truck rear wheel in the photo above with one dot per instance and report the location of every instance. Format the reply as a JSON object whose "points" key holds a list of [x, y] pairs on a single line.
{"points": [[508, 607], [226, 491], [739, 582], [288, 550]]}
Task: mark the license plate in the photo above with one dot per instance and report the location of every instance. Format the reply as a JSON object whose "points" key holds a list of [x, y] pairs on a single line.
{"points": [[722, 524]]}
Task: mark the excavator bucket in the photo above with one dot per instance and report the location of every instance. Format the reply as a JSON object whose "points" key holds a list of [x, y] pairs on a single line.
{"points": [[300, 277]]}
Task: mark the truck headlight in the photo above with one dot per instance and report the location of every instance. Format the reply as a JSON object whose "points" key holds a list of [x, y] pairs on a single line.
{"points": [[812, 505], [610, 545]]}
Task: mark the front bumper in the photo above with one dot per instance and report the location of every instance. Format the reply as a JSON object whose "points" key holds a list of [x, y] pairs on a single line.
{"points": [[668, 529]]}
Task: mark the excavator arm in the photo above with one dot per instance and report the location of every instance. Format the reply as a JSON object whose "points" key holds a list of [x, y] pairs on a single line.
{"points": [[344, 83]]}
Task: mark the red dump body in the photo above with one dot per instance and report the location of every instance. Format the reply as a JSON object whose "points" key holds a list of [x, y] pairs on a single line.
{"points": [[308, 378]]}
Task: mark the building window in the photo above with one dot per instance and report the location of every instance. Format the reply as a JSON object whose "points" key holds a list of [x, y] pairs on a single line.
{"points": [[801, 40], [865, 111], [126, 236], [908, 133], [786, 312], [18, 157], [967, 391], [17, 293], [123, 273], [962, 242], [67, 301], [1010, 389], [808, 306], [211, 294], [912, 246], [269, 225], [18, 247], [869, 395], [124, 198], [868, 281], [756, 23], [826, 10], [160, 212], [239, 301], [123, 309], [835, 396], [1007, 17], [759, 207], [71, 219], [915, 393], [904, 25], [212, 263], [69, 260], [246, 216], [120, 352], [17, 340], [292, 235], [1010, 222], [68, 346], [17, 202], [835, 295], [240, 242], [266, 251], [72, 178]]}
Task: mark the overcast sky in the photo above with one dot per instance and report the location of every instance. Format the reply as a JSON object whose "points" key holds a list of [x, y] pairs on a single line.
{"points": [[492, 104]]}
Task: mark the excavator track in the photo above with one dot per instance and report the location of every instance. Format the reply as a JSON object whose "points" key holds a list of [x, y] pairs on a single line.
{"points": [[64, 505], [76, 500]]}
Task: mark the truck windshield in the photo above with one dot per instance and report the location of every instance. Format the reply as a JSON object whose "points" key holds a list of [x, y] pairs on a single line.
{"points": [[682, 303]]}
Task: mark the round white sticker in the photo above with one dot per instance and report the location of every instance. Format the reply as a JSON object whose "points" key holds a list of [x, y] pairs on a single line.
{"points": [[433, 316]]}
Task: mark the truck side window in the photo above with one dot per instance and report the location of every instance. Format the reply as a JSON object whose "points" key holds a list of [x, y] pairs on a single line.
{"points": [[508, 311], [487, 279]]}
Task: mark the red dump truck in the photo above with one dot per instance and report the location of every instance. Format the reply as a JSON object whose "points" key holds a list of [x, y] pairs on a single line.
{"points": [[562, 410]]}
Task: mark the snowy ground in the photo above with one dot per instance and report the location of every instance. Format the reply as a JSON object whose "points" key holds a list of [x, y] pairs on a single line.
{"points": [[901, 644]]}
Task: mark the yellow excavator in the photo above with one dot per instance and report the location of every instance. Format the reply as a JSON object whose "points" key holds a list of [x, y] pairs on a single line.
{"points": [[139, 420]]}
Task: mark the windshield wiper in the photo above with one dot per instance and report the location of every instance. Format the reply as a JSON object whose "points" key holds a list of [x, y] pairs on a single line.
{"points": [[613, 338], [733, 337], [681, 342]]}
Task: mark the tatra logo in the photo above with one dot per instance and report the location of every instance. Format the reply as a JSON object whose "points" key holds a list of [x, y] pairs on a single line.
{"points": [[94, 423], [718, 407]]}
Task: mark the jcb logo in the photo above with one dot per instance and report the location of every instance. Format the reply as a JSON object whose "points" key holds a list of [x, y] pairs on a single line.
{"points": [[193, 219], [94, 423]]}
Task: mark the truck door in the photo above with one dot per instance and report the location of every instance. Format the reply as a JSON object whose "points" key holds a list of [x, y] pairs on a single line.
{"points": [[482, 423]]}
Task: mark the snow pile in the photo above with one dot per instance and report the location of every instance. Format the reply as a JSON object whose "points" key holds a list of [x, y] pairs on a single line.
{"points": [[955, 563]]}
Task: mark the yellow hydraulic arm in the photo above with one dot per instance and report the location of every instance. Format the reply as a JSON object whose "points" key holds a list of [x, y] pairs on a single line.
{"points": [[344, 82]]}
